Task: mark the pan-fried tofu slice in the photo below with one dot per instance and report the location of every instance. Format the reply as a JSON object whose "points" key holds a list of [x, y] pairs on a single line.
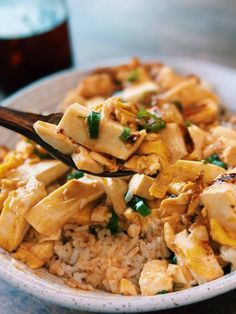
{"points": [[190, 170], [136, 92], [45, 171], [62, 204], [221, 131], [13, 225], [83, 217], [154, 278], [115, 190], [229, 153], [199, 137], [198, 255], [140, 185], [48, 132], [84, 161], [34, 254], [219, 200], [173, 138], [73, 124]]}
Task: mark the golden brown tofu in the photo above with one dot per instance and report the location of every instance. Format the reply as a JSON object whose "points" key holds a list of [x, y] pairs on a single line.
{"points": [[34, 254], [140, 185], [48, 132], [13, 225], [62, 204], [190, 170], [45, 171], [73, 124], [174, 140], [115, 190]]}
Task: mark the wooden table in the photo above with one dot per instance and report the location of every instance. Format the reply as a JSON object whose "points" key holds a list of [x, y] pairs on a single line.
{"points": [[110, 29]]}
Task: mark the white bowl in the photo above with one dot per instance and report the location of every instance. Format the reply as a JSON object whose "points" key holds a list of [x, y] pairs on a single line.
{"points": [[46, 95]]}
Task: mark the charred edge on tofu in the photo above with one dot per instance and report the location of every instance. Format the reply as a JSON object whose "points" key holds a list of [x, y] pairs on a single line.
{"points": [[226, 177]]}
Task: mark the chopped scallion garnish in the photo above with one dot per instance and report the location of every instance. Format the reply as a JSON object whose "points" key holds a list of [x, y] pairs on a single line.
{"points": [[75, 175], [139, 205], [215, 160], [151, 122], [93, 120], [133, 76], [174, 260], [125, 134], [113, 223], [162, 292]]}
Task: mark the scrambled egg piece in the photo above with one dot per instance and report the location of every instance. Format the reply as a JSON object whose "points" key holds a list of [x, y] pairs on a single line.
{"points": [[127, 287], [13, 225], [148, 165], [11, 161], [220, 235], [195, 252], [160, 184], [154, 278], [33, 254]]}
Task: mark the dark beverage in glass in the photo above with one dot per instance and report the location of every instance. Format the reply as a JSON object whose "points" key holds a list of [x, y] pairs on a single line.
{"points": [[34, 41]]}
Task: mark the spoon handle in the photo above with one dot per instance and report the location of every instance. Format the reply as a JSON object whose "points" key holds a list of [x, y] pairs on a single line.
{"points": [[21, 122]]}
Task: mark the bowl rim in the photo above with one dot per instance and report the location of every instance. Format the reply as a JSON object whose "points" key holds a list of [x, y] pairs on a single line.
{"points": [[110, 302]]}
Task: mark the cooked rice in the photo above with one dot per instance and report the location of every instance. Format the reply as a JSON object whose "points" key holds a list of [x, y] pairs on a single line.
{"points": [[102, 260]]}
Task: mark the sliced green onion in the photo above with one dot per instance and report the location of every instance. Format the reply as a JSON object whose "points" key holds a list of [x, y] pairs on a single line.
{"points": [[215, 160], [113, 223], [93, 120], [152, 123], [142, 208], [162, 292], [125, 134], [174, 260], [75, 175], [139, 205], [145, 114], [155, 126], [133, 76]]}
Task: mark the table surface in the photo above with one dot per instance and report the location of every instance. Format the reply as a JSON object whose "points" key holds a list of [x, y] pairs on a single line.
{"points": [[110, 29]]}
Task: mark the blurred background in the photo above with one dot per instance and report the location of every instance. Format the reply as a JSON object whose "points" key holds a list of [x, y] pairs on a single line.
{"points": [[203, 29], [40, 37]]}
